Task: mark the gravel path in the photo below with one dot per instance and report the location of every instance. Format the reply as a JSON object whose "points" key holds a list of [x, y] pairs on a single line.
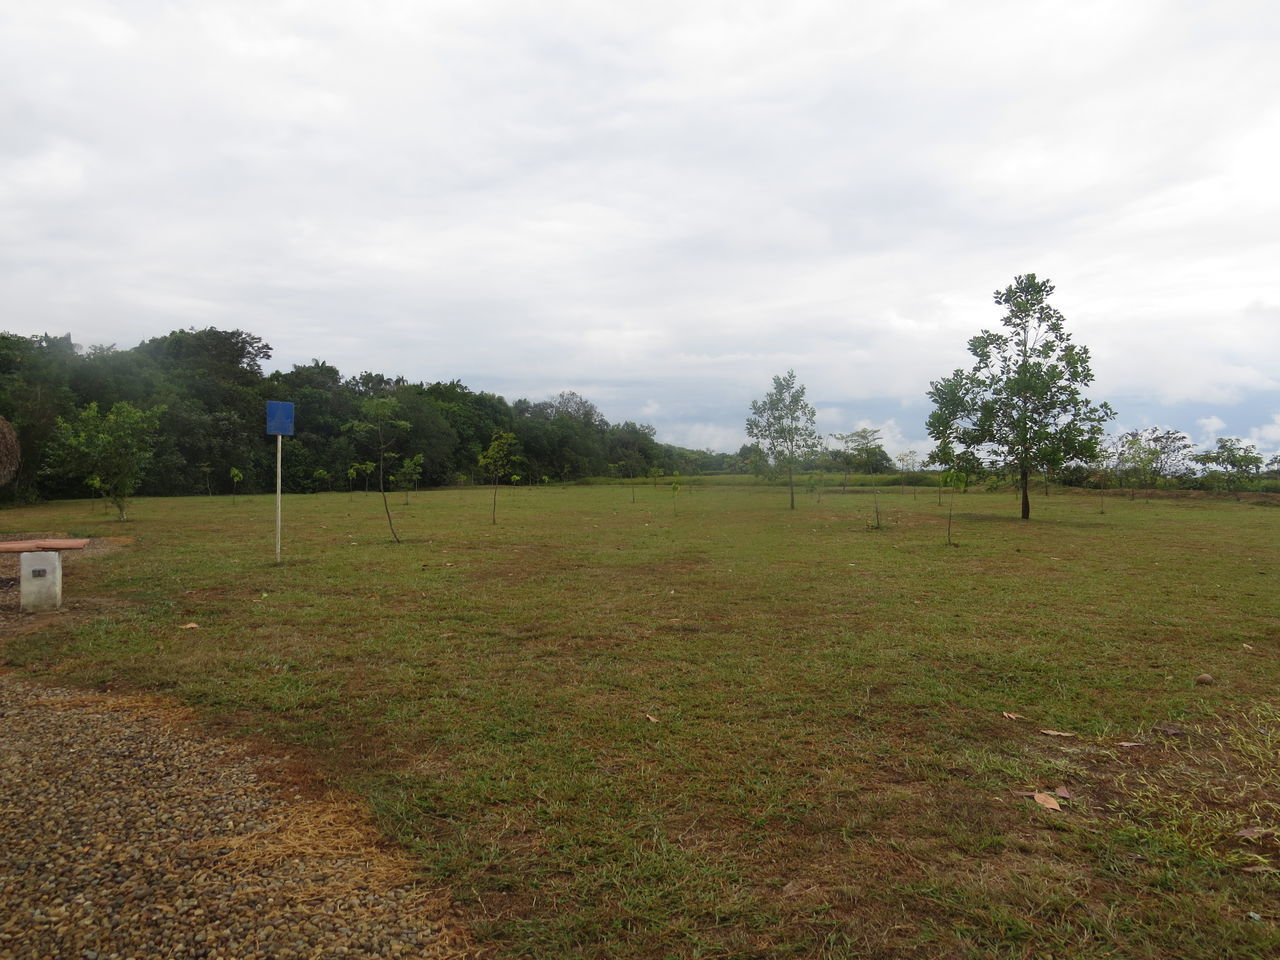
{"points": [[124, 833]]}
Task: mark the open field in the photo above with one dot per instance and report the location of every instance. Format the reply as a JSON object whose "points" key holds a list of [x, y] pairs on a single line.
{"points": [[636, 724]]}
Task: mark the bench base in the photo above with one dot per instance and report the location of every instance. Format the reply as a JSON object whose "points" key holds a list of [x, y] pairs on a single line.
{"points": [[41, 581]]}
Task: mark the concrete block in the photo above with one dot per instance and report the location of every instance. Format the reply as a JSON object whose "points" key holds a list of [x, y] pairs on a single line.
{"points": [[41, 581]]}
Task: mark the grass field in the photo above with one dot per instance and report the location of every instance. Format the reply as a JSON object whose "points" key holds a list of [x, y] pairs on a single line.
{"points": [[628, 723]]}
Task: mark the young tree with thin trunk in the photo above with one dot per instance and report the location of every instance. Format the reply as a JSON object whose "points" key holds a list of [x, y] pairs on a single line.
{"points": [[408, 475], [783, 424], [381, 426], [1021, 407], [497, 461]]}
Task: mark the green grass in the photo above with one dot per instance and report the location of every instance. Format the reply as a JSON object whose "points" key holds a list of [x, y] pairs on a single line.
{"points": [[702, 725]]}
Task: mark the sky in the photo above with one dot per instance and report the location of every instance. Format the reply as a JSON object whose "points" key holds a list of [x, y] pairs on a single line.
{"points": [[660, 206]]}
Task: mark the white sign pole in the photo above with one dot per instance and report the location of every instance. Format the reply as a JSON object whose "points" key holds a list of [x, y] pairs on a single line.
{"points": [[279, 456]]}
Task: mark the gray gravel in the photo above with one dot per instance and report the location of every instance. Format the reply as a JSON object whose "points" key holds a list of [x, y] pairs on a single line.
{"points": [[124, 833]]}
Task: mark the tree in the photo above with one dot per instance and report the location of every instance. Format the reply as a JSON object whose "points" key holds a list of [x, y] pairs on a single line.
{"points": [[907, 463], [783, 424], [1233, 460], [497, 460], [1145, 457], [109, 453], [35, 373], [380, 426], [862, 451], [407, 476], [1020, 408], [363, 469], [10, 452]]}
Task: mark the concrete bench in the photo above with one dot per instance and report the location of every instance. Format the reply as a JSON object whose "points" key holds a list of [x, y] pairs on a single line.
{"points": [[41, 570]]}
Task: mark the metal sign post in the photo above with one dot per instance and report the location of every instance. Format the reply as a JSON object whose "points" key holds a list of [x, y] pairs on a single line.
{"points": [[280, 423]]}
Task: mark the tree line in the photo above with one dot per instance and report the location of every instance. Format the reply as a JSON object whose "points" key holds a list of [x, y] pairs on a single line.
{"points": [[183, 414], [192, 403], [1018, 413]]}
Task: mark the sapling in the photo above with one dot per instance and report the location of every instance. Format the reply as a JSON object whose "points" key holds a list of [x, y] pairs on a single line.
{"points": [[497, 461], [953, 479], [381, 426]]}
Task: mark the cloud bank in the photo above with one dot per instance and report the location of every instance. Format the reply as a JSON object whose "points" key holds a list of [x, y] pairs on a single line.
{"points": [[661, 206]]}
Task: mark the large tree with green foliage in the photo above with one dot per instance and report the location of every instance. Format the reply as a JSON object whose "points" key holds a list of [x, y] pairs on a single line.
{"points": [[35, 389], [110, 452], [1021, 407], [783, 424]]}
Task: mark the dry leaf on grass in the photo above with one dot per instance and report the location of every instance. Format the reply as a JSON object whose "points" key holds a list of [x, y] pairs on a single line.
{"points": [[1047, 801], [1260, 868], [1130, 743], [1012, 716], [189, 626], [1252, 833], [1056, 733], [651, 718], [1064, 793]]}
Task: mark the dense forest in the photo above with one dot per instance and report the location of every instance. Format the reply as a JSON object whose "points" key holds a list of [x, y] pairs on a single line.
{"points": [[208, 392]]}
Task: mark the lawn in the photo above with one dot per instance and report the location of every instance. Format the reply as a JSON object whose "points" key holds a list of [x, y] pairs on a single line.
{"points": [[628, 722]]}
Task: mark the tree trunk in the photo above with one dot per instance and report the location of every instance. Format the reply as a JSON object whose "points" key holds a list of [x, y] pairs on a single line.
{"points": [[382, 488], [1023, 477], [791, 482]]}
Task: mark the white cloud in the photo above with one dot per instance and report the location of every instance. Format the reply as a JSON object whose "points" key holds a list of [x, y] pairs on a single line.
{"points": [[670, 199], [1267, 436], [1210, 429]]}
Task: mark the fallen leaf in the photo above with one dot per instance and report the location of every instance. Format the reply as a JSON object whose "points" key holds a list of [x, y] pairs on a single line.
{"points": [[1259, 868], [1056, 733], [189, 626], [651, 718], [1012, 716], [1064, 793], [1047, 801], [1250, 833], [1247, 646], [1130, 743]]}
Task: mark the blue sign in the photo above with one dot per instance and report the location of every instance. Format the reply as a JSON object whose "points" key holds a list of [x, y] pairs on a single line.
{"points": [[279, 418]]}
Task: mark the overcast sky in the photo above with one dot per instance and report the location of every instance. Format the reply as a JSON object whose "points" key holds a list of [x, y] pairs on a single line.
{"points": [[659, 205]]}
